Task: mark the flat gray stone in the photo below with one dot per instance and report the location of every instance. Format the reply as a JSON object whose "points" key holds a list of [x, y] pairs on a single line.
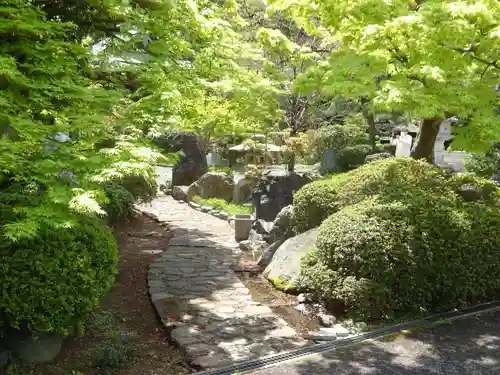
{"points": [[152, 252]]}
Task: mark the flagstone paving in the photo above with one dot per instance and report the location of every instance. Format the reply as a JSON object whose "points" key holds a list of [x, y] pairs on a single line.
{"points": [[207, 309]]}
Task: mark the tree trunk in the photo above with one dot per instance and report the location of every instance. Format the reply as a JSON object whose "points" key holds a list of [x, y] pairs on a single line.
{"points": [[291, 163], [424, 144], [372, 130]]}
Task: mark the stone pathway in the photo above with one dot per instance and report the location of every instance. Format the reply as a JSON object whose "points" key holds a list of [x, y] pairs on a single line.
{"points": [[199, 298]]}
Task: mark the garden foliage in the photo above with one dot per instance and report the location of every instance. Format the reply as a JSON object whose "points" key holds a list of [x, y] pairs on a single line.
{"points": [[403, 237]]}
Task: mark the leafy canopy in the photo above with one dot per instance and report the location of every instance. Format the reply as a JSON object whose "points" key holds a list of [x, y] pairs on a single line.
{"points": [[428, 59], [75, 76]]}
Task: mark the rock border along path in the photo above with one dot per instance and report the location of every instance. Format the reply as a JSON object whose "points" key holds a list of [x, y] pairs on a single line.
{"points": [[198, 297]]}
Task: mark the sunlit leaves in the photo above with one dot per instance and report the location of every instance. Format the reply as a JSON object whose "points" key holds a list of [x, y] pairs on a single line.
{"points": [[434, 59]]}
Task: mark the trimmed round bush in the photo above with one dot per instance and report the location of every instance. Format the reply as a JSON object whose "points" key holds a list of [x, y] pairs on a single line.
{"points": [[312, 204], [50, 282], [353, 156], [393, 178], [140, 182], [427, 253], [121, 202], [406, 237]]}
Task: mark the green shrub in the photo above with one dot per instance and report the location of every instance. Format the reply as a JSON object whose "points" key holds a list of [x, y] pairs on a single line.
{"points": [[115, 355], [423, 254], [386, 147], [337, 137], [121, 202], [392, 178], [314, 203], [139, 180], [222, 205], [405, 239], [353, 156], [52, 280], [485, 165]]}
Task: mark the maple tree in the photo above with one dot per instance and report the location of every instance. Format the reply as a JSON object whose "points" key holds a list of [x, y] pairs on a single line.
{"points": [[427, 59]]}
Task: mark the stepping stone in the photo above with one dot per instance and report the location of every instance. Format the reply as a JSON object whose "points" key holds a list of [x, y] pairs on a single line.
{"points": [[195, 289], [152, 252]]}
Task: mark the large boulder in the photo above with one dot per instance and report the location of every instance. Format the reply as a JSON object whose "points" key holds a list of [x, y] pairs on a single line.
{"points": [[283, 225], [193, 163], [285, 266], [267, 255], [329, 162], [275, 191], [213, 185], [180, 193], [243, 190]]}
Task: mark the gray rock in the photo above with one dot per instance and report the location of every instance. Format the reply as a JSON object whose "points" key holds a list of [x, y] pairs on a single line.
{"points": [[194, 205], [180, 193], [35, 348], [192, 191], [245, 245], [256, 238], [470, 193], [360, 327], [282, 228], [340, 331], [275, 191], [378, 156], [329, 162], [286, 262], [223, 215], [213, 185], [206, 209], [268, 253], [193, 164], [326, 320], [305, 297], [243, 190], [305, 309], [262, 227]]}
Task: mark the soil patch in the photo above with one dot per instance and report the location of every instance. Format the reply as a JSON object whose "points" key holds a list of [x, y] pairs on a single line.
{"points": [[124, 336], [281, 303]]}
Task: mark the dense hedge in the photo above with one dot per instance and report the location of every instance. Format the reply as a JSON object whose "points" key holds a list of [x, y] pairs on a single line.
{"points": [[51, 281], [312, 204], [427, 254], [393, 177], [120, 203], [353, 156], [140, 182], [406, 238]]}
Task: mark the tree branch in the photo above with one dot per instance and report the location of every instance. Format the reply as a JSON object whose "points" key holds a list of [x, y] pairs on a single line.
{"points": [[470, 51]]}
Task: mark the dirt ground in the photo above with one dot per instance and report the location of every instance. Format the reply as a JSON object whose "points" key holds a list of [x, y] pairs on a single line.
{"points": [[281, 303], [124, 336]]}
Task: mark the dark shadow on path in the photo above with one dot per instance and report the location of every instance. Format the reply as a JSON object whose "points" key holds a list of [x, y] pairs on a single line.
{"points": [[464, 347]]}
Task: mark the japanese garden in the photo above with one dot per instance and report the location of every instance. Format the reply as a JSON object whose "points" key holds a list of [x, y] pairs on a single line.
{"points": [[189, 184]]}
